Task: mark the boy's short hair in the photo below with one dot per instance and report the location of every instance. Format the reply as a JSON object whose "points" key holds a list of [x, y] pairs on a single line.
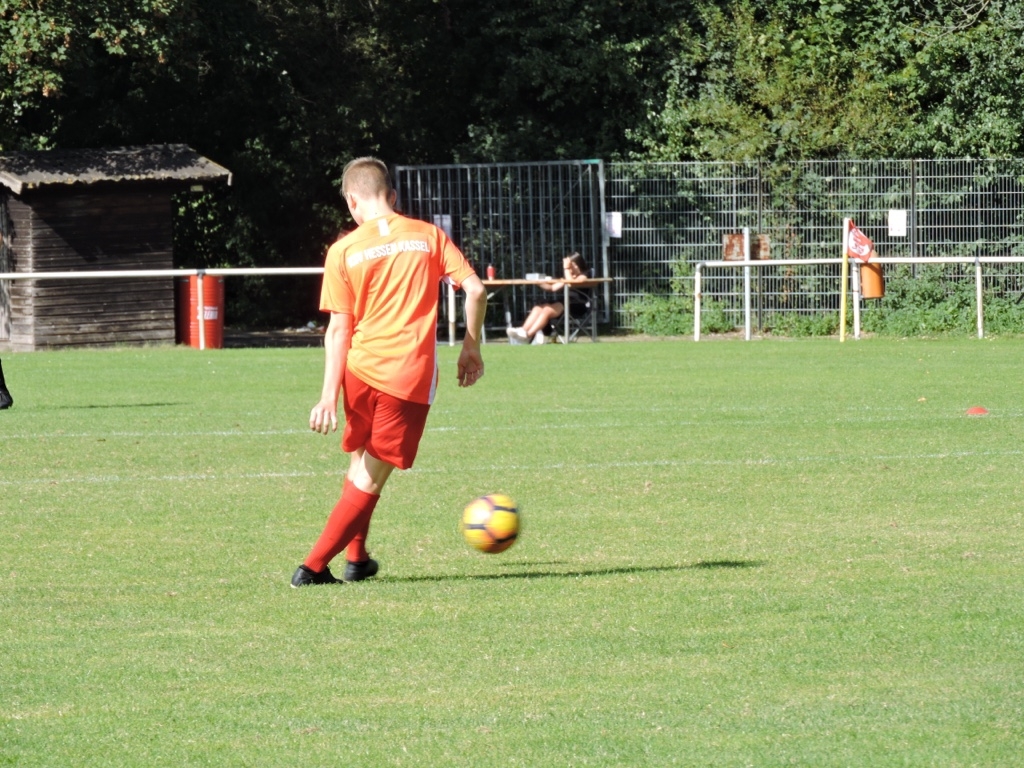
{"points": [[367, 177]]}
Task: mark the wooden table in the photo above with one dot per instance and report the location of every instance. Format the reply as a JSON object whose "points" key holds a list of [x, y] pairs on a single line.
{"points": [[498, 284]]}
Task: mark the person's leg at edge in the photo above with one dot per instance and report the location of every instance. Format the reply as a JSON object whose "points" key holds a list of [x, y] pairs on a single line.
{"points": [[350, 517], [5, 397], [540, 316]]}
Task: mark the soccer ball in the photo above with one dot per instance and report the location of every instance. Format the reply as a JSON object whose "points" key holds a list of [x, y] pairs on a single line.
{"points": [[491, 523]]}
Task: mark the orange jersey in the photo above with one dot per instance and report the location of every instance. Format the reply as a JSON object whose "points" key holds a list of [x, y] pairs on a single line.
{"points": [[386, 275]]}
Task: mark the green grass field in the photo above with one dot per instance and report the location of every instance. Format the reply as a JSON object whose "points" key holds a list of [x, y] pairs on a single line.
{"points": [[774, 553]]}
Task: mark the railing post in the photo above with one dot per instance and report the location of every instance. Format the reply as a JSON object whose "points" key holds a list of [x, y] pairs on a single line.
{"points": [[696, 300], [565, 312], [746, 284], [856, 300], [844, 279], [201, 311], [451, 315], [978, 297]]}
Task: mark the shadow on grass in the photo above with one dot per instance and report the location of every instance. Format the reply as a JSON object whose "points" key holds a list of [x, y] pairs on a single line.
{"points": [[549, 574]]}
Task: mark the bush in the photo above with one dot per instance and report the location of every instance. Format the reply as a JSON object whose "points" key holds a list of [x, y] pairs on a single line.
{"points": [[660, 315], [938, 300], [673, 316], [794, 324]]}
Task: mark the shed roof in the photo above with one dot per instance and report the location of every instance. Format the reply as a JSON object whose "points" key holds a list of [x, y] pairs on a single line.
{"points": [[158, 162]]}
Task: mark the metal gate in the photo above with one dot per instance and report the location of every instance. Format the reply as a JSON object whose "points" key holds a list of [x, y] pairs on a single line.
{"points": [[520, 218]]}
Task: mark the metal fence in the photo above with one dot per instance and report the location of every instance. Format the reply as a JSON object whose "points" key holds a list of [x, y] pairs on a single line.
{"points": [[517, 217], [523, 217], [675, 214]]}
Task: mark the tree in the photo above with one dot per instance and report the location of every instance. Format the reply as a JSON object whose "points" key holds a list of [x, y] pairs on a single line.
{"points": [[47, 46], [792, 79], [967, 83], [543, 79], [779, 81]]}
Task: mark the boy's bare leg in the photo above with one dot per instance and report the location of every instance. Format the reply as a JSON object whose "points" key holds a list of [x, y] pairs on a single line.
{"points": [[367, 473]]}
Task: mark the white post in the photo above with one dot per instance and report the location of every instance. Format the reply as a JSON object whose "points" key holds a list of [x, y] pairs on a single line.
{"points": [[696, 301], [451, 315], [978, 294], [746, 284], [856, 300], [843, 283], [565, 312], [201, 312]]}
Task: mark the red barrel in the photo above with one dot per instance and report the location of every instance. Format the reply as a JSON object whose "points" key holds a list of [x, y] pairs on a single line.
{"points": [[187, 300]]}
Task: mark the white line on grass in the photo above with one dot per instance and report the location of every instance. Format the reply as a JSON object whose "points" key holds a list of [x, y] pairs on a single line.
{"points": [[155, 433], [764, 461], [581, 424]]}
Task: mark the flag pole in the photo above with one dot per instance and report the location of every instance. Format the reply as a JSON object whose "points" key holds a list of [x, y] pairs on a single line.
{"points": [[845, 280]]}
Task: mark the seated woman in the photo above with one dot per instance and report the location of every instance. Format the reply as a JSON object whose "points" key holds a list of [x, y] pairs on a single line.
{"points": [[532, 329]]}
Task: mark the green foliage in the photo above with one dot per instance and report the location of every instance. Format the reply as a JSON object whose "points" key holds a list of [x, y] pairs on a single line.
{"points": [[660, 315], [781, 81], [671, 314], [798, 324], [939, 300], [284, 94], [791, 79], [963, 76], [55, 49], [546, 79]]}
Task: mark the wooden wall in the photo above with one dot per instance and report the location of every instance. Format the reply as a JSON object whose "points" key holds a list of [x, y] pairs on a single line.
{"points": [[5, 266], [122, 226]]}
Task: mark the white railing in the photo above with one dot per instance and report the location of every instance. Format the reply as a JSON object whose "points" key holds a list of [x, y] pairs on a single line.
{"points": [[748, 265], [114, 274]]}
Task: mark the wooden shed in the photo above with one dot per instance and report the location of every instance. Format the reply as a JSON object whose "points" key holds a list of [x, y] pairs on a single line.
{"points": [[88, 210]]}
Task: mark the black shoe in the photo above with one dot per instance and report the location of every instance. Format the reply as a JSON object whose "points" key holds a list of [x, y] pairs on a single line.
{"points": [[6, 401], [360, 571], [304, 577]]}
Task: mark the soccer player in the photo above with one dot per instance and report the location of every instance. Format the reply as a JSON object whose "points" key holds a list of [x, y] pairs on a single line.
{"points": [[6, 401], [381, 287]]}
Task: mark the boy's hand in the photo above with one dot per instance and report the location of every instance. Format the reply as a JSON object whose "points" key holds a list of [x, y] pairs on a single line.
{"points": [[471, 365], [324, 418]]}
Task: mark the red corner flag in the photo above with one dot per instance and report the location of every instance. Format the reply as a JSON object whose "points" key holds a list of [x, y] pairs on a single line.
{"points": [[859, 245]]}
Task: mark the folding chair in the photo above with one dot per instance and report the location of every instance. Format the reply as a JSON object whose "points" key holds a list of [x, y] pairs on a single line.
{"points": [[585, 322]]}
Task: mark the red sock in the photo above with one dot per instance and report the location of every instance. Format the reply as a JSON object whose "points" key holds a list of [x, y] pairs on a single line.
{"points": [[356, 552], [350, 517]]}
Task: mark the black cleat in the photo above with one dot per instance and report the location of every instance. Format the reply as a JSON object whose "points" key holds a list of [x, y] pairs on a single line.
{"points": [[6, 401], [360, 571], [304, 577]]}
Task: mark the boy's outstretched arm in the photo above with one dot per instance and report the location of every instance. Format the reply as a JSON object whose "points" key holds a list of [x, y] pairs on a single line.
{"points": [[471, 363], [337, 340]]}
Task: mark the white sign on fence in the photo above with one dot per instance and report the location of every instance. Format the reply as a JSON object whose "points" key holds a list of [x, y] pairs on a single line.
{"points": [[613, 223], [897, 222]]}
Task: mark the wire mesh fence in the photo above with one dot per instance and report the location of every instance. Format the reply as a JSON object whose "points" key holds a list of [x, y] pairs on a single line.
{"points": [[524, 217], [676, 214], [518, 218]]}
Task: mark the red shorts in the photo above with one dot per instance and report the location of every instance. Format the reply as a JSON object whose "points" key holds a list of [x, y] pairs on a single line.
{"points": [[387, 427]]}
